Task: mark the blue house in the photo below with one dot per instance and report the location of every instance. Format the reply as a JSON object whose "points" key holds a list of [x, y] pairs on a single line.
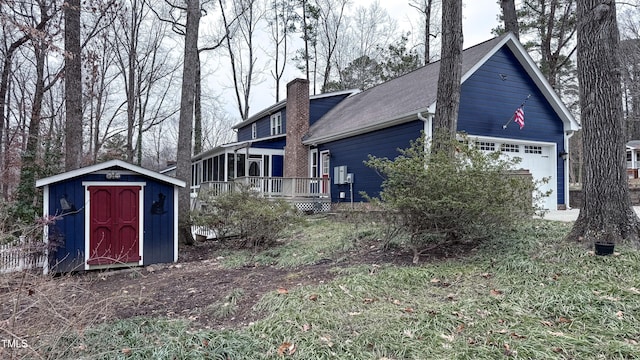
{"points": [[498, 76], [109, 215], [264, 154], [321, 142]]}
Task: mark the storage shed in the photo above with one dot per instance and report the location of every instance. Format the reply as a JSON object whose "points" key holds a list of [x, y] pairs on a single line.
{"points": [[112, 214]]}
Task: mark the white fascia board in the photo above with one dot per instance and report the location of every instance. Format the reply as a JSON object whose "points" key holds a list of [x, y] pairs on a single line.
{"points": [[106, 165]]}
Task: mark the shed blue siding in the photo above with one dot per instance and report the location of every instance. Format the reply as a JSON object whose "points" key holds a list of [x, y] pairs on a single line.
{"points": [[353, 151], [491, 95], [66, 236], [68, 232], [158, 228]]}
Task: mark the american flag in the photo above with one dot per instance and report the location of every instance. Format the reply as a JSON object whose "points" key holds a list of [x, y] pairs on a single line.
{"points": [[518, 117]]}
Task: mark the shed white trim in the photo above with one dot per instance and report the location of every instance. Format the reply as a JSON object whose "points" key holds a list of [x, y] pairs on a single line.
{"points": [[107, 165], [87, 222]]}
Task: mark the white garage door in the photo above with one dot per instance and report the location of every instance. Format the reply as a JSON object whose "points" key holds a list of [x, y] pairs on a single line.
{"points": [[538, 158]]}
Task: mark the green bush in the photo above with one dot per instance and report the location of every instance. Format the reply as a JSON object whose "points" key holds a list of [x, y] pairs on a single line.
{"points": [[438, 199], [244, 215]]}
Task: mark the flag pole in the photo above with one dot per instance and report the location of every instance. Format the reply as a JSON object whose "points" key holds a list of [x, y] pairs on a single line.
{"points": [[514, 114]]}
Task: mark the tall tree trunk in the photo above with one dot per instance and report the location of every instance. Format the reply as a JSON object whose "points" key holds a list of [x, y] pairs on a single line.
{"points": [[29, 171], [73, 85], [606, 214], [183, 167], [131, 82], [305, 29], [510, 17], [425, 8], [197, 130], [448, 96], [4, 87]]}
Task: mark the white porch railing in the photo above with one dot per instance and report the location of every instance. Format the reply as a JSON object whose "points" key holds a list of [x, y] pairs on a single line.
{"points": [[17, 258], [273, 187]]}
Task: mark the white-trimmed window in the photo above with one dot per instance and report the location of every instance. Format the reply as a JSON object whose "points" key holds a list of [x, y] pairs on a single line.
{"points": [[531, 149], [514, 148], [313, 163], [254, 131], [276, 124], [486, 146]]}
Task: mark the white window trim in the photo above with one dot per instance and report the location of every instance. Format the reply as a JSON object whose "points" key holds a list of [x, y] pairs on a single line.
{"points": [[313, 159], [254, 131], [276, 124]]}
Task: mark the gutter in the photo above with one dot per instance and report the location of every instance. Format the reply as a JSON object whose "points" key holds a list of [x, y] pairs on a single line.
{"points": [[383, 125]]}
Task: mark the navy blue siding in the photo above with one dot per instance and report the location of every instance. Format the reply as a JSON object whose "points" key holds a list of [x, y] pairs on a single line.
{"points": [[487, 102], [277, 167], [263, 127], [319, 107], [158, 228], [67, 234], [353, 151], [270, 144]]}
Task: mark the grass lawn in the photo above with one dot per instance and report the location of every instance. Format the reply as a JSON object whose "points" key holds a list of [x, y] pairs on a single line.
{"points": [[528, 295]]}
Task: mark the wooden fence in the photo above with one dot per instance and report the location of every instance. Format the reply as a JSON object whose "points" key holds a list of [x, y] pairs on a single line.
{"points": [[20, 257]]}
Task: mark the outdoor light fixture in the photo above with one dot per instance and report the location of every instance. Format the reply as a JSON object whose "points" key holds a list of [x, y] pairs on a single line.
{"points": [[113, 175]]}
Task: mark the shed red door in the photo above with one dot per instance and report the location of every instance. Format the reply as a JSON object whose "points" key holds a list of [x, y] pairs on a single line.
{"points": [[114, 224]]}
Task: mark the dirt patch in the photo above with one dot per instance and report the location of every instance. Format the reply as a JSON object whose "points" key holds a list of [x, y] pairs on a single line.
{"points": [[197, 288]]}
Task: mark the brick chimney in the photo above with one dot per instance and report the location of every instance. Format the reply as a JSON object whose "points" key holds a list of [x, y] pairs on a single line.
{"points": [[296, 155]]}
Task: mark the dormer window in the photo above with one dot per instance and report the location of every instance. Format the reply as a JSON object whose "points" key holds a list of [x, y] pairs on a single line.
{"points": [[254, 131], [276, 124]]}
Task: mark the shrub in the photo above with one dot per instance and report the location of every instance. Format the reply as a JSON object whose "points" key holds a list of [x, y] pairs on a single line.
{"points": [[441, 199], [243, 214]]}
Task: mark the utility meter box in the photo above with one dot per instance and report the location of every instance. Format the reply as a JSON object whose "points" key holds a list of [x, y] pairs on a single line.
{"points": [[340, 175], [349, 178]]}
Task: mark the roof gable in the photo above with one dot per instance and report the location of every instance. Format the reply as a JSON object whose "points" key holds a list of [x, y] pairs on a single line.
{"points": [[401, 99], [111, 164]]}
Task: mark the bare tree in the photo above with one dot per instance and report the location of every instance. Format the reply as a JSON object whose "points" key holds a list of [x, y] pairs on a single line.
{"points": [[552, 23], [242, 49], [21, 30], [448, 96], [426, 9], [332, 15], [73, 84], [630, 50], [281, 18], [30, 168], [185, 126], [606, 214], [368, 34]]}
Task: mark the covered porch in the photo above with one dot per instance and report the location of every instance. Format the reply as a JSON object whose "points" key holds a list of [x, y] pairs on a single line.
{"points": [[307, 194]]}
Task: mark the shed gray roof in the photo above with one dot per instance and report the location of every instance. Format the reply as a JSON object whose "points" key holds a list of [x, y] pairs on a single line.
{"points": [[399, 100]]}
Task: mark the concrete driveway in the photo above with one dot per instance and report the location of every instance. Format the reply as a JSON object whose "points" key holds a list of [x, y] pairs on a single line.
{"points": [[571, 214]]}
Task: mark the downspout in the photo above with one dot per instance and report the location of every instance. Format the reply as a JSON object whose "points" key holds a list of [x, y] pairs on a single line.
{"points": [[569, 135], [428, 129]]}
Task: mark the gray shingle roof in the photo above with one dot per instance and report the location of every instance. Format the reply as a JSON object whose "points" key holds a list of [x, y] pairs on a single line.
{"points": [[397, 99]]}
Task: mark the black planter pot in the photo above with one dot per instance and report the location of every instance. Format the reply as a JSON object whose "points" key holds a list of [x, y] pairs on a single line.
{"points": [[603, 248]]}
